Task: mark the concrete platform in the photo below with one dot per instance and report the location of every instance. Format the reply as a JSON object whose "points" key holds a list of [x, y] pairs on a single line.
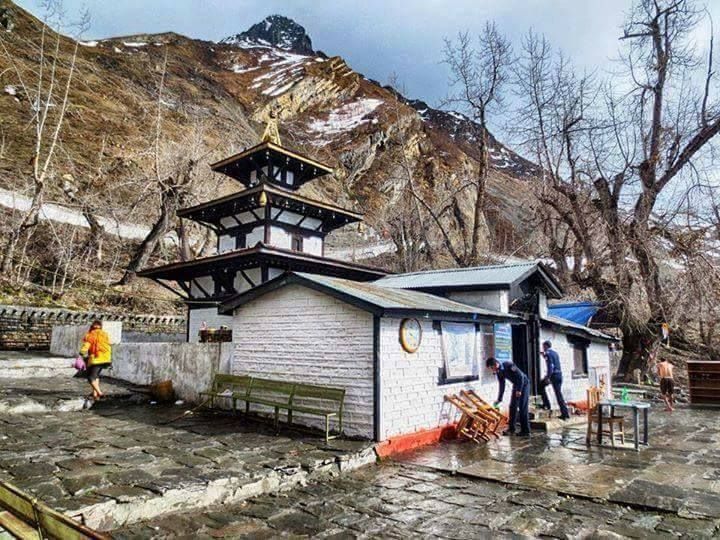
{"points": [[121, 462]]}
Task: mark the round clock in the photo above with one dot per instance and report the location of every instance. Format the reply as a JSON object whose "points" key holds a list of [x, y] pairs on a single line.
{"points": [[410, 335]]}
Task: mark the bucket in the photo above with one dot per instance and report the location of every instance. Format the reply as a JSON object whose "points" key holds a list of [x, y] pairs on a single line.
{"points": [[162, 391]]}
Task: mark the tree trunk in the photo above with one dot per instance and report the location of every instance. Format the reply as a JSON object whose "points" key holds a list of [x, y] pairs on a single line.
{"points": [[29, 222], [636, 346], [147, 247]]}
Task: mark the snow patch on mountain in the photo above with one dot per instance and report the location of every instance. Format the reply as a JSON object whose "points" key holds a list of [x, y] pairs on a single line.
{"points": [[345, 118]]}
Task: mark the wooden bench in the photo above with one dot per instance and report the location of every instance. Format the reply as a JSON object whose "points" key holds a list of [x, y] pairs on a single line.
{"points": [[227, 387], [287, 396]]}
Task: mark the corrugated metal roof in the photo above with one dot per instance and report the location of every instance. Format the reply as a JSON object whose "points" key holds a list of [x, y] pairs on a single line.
{"points": [[388, 298], [577, 312], [504, 274], [590, 332]]}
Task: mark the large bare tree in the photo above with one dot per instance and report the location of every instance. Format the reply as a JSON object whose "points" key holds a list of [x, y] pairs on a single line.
{"points": [[479, 71], [46, 90], [616, 151]]}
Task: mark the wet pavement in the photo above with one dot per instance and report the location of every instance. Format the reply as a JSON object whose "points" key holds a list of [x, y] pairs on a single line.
{"points": [[120, 466], [679, 472], [120, 461], [407, 501]]}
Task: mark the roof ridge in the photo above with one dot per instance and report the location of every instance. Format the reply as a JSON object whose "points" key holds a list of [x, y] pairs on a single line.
{"points": [[464, 269]]}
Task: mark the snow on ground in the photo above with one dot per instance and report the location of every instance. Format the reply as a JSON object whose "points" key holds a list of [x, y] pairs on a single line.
{"points": [[88, 43], [62, 214], [346, 117], [134, 43], [9, 89]]}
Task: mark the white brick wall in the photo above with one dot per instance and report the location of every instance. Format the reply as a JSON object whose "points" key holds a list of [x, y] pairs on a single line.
{"points": [[298, 334], [412, 400], [496, 300], [575, 389], [210, 316]]}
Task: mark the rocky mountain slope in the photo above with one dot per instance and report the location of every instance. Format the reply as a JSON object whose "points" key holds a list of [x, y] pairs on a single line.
{"points": [[369, 133]]}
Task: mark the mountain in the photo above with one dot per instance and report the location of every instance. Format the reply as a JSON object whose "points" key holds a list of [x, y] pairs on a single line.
{"points": [[370, 134], [275, 31]]}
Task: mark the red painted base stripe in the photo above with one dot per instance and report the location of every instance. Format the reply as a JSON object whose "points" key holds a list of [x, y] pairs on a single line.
{"points": [[409, 441]]}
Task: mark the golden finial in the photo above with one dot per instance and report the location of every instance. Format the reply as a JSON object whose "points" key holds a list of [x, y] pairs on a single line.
{"points": [[271, 133]]}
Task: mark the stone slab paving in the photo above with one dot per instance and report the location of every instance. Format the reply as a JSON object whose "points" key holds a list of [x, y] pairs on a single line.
{"points": [[407, 501], [120, 462], [679, 472], [63, 394]]}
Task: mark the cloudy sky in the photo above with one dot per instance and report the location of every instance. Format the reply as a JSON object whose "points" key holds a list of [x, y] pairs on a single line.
{"points": [[378, 37]]}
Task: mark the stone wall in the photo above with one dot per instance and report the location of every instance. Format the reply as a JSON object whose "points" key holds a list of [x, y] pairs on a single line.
{"points": [[190, 366], [297, 334], [66, 339], [25, 328]]}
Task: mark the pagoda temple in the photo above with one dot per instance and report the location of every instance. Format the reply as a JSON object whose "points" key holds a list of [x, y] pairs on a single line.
{"points": [[262, 232]]}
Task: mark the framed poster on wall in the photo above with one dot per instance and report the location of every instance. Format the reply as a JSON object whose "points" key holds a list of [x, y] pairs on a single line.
{"points": [[459, 350], [503, 342]]}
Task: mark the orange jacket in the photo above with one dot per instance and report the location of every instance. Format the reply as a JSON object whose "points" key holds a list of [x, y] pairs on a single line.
{"points": [[96, 346]]}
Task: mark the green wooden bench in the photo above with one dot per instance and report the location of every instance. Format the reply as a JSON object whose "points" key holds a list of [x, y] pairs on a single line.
{"points": [[287, 396], [226, 387]]}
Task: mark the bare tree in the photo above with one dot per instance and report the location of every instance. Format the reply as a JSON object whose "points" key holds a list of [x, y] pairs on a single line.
{"points": [[175, 172], [614, 153], [46, 88], [479, 72]]}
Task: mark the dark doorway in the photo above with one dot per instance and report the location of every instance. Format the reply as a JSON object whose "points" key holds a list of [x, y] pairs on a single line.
{"points": [[523, 355]]}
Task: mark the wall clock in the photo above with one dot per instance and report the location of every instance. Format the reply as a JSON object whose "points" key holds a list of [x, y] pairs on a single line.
{"points": [[410, 334]]}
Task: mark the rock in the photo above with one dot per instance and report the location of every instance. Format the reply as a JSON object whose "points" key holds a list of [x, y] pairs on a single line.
{"points": [[277, 31]]}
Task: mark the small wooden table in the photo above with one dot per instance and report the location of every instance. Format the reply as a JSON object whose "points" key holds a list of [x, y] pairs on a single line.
{"points": [[636, 407]]}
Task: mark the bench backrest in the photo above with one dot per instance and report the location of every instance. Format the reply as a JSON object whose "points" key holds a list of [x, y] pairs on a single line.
{"points": [[278, 391], [319, 397]]}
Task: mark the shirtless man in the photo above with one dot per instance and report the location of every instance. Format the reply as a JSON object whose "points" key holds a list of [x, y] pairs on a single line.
{"points": [[667, 384]]}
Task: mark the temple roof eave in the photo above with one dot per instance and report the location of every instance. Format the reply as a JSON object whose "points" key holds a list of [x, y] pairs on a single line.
{"points": [[213, 211], [255, 256]]}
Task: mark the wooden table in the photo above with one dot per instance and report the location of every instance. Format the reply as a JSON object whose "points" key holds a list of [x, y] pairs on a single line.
{"points": [[636, 407]]}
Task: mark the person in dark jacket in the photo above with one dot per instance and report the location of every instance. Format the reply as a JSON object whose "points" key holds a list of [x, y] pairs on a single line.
{"points": [[520, 394], [553, 377]]}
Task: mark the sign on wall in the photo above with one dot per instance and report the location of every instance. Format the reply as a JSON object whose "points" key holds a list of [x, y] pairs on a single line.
{"points": [[503, 342], [458, 341]]}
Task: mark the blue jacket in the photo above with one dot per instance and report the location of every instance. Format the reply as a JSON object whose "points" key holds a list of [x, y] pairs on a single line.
{"points": [[552, 361], [512, 373]]}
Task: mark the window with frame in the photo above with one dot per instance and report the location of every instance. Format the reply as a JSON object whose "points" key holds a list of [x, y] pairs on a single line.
{"points": [[296, 242], [240, 241], [459, 348], [580, 356]]}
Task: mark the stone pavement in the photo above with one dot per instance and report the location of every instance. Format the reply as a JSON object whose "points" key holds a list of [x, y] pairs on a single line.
{"points": [[118, 462], [407, 501], [678, 473]]}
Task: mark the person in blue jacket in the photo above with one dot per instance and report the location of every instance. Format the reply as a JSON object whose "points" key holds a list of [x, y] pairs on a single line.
{"points": [[520, 394], [554, 378]]}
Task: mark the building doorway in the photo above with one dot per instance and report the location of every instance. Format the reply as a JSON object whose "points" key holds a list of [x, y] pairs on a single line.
{"points": [[524, 355]]}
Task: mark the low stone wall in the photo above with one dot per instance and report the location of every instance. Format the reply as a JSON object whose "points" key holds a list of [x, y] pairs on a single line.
{"points": [[67, 338], [28, 328], [190, 366]]}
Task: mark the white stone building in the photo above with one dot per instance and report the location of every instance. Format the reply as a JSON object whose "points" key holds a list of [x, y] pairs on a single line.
{"points": [[343, 333]]}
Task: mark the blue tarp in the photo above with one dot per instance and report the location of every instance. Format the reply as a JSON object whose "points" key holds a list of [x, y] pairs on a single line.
{"points": [[577, 312]]}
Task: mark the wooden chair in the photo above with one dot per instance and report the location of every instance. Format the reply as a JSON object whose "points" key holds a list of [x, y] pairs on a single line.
{"points": [[498, 421], [594, 395], [472, 425]]}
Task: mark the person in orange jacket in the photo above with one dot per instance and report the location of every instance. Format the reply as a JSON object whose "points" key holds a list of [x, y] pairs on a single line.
{"points": [[97, 352]]}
